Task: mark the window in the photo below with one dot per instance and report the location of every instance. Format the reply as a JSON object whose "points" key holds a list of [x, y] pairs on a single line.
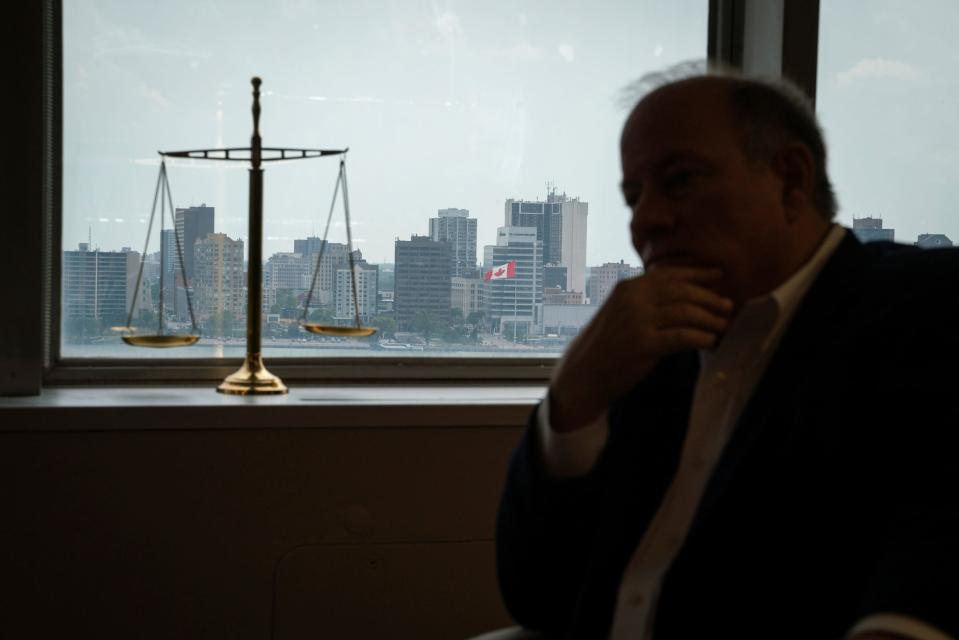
{"points": [[887, 96], [481, 135]]}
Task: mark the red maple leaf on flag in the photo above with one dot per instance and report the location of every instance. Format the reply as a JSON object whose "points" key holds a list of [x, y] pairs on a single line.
{"points": [[507, 270]]}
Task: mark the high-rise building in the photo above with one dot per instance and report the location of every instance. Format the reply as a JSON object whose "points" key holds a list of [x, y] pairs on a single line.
{"points": [[192, 224], [514, 302], [459, 230], [421, 282], [487, 257], [602, 279], [289, 271], [168, 266], [560, 225], [366, 294], [133, 271], [468, 295], [870, 230], [385, 283], [307, 246], [933, 241], [335, 257], [546, 218], [574, 216], [95, 285], [218, 282], [556, 275]]}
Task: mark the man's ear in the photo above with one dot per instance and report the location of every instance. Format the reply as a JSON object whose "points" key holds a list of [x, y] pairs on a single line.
{"points": [[796, 168]]}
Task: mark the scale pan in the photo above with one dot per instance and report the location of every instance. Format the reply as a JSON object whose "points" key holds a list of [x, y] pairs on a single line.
{"points": [[344, 332], [160, 342]]}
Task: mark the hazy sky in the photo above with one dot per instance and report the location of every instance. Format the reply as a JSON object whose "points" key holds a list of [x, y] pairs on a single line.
{"points": [[461, 104], [443, 104], [888, 99]]}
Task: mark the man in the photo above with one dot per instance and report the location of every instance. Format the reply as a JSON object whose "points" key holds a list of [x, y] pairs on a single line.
{"points": [[749, 440]]}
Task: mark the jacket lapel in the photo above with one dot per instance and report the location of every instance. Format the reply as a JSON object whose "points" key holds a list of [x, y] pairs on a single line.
{"points": [[813, 328]]}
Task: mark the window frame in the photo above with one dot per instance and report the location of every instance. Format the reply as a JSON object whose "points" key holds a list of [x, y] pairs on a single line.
{"points": [[764, 36]]}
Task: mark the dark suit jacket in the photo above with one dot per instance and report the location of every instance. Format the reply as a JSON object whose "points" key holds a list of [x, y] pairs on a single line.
{"points": [[834, 499]]}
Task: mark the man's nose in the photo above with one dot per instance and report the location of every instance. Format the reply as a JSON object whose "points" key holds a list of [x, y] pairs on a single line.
{"points": [[650, 218]]}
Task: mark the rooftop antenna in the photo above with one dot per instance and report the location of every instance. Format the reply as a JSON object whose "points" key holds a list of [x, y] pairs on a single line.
{"points": [[550, 190]]}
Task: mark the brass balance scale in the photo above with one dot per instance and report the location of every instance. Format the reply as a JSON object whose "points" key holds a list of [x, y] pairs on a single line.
{"points": [[252, 377]]}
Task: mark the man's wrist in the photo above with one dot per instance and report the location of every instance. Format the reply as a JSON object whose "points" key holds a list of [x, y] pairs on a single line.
{"points": [[567, 414], [572, 453]]}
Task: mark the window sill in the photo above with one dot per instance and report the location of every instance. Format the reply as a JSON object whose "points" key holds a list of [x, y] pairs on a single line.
{"points": [[305, 407]]}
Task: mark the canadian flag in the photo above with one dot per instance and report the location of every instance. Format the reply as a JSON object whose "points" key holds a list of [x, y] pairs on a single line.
{"points": [[507, 270]]}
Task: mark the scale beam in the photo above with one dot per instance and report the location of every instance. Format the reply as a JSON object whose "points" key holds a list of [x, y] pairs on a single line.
{"points": [[245, 154]]}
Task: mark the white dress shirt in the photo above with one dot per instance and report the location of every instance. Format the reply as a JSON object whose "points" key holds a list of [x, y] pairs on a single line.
{"points": [[726, 380]]}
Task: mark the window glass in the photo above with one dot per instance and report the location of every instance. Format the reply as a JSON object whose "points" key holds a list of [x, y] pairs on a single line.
{"points": [[483, 170], [888, 94]]}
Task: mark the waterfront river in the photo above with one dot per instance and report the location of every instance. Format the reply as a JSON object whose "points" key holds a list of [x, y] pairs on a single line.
{"points": [[209, 348]]}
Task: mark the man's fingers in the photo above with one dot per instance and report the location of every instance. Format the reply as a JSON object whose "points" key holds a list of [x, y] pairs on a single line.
{"points": [[693, 316], [672, 292], [679, 339]]}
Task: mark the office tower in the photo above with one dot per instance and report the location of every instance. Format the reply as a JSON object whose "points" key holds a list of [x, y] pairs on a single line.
{"points": [[459, 230], [307, 246], [560, 225], [192, 224], [284, 271], [546, 218], [574, 214], [132, 271], [555, 275], [168, 265], [218, 282], [602, 279], [385, 284], [514, 302], [335, 257], [168, 252], [366, 292], [487, 258], [95, 286], [870, 230], [933, 241], [468, 295], [421, 282]]}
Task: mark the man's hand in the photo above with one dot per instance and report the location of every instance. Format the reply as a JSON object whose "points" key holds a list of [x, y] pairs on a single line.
{"points": [[665, 311]]}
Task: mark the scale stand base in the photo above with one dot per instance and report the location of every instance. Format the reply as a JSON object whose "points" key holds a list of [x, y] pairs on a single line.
{"points": [[252, 379]]}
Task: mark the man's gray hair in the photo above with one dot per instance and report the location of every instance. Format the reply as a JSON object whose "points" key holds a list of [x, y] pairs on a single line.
{"points": [[769, 113]]}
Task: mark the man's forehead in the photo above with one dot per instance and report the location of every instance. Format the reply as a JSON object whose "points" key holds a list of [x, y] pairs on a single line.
{"points": [[680, 116], [693, 99]]}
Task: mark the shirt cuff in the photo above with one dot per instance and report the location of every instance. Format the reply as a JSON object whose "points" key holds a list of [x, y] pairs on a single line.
{"points": [[572, 453], [898, 624]]}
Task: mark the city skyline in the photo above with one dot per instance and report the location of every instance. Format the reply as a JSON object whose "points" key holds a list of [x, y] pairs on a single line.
{"points": [[436, 285]]}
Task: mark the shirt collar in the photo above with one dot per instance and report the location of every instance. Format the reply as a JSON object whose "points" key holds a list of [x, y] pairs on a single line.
{"points": [[789, 294], [762, 319]]}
